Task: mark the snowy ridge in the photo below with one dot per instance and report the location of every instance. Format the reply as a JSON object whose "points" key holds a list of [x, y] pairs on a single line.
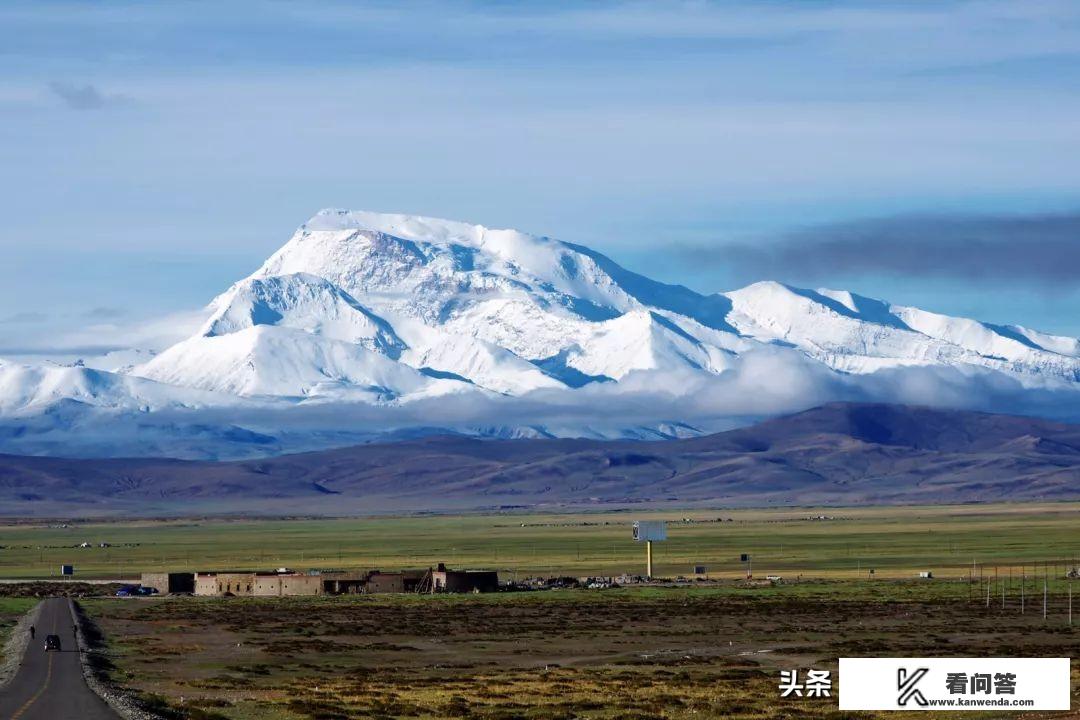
{"points": [[365, 310], [304, 302], [859, 334], [31, 389], [284, 362]]}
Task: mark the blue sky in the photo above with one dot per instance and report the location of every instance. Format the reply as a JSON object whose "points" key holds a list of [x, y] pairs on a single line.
{"points": [[153, 153]]}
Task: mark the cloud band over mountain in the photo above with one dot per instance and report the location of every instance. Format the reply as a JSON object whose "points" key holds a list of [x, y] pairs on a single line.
{"points": [[1034, 248]]}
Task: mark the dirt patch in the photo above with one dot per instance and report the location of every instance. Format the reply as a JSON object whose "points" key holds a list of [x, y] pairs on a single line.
{"points": [[58, 589], [572, 654]]}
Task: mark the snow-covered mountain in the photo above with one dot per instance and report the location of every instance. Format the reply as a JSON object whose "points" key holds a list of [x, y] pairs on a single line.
{"points": [[857, 334], [564, 308], [390, 322]]}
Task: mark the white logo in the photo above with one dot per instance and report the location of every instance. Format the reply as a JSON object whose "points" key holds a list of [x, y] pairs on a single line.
{"points": [[906, 682], [954, 684]]}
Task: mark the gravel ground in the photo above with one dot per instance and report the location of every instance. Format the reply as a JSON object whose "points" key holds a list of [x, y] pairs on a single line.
{"points": [[16, 645]]}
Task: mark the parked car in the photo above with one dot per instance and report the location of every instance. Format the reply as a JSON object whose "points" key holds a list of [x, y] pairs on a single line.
{"points": [[146, 591], [52, 642]]}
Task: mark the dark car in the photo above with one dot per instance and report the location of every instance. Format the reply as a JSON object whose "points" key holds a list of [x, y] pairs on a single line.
{"points": [[52, 642], [136, 591]]}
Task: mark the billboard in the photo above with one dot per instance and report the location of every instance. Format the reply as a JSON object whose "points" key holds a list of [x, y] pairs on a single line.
{"points": [[650, 530]]}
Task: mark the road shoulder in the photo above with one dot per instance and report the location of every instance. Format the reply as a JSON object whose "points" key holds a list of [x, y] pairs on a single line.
{"points": [[16, 645]]}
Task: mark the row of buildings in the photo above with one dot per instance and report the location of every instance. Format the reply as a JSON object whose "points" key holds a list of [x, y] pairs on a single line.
{"points": [[282, 582]]}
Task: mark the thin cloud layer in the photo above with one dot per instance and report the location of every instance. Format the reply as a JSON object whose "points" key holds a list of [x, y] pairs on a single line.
{"points": [[83, 97], [761, 384], [100, 330], [1031, 248]]}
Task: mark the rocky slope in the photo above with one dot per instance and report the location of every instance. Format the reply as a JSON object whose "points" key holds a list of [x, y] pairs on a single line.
{"points": [[839, 454]]}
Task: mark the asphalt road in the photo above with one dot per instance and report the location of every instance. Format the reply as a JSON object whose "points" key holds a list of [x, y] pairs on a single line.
{"points": [[50, 685]]}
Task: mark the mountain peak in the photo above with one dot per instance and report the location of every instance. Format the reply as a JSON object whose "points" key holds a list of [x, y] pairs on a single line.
{"points": [[409, 227], [492, 306]]}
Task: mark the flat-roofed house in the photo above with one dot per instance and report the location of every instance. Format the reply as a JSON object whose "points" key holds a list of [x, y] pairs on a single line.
{"points": [[173, 582], [383, 582], [445, 580], [225, 584]]}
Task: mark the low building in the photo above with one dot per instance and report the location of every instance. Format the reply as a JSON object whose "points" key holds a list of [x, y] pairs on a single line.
{"points": [[257, 584], [322, 582], [445, 580], [337, 582], [281, 584], [382, 582], [223, 584], [165, 583], [267, 584], [414, 580]]}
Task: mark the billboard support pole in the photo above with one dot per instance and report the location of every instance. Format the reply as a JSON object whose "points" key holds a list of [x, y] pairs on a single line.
{"points": [[647, 531]]}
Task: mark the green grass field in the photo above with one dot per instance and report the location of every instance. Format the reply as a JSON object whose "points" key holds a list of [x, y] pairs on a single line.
{"points": [[895, 542]]}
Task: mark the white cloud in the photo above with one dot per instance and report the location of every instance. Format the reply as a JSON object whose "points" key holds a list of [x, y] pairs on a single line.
{"points": [[63, 339], [761, 384]]}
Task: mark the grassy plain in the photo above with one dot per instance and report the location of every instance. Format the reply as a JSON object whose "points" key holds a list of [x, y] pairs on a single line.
{"points": [[643, 653], [895, 542]]}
